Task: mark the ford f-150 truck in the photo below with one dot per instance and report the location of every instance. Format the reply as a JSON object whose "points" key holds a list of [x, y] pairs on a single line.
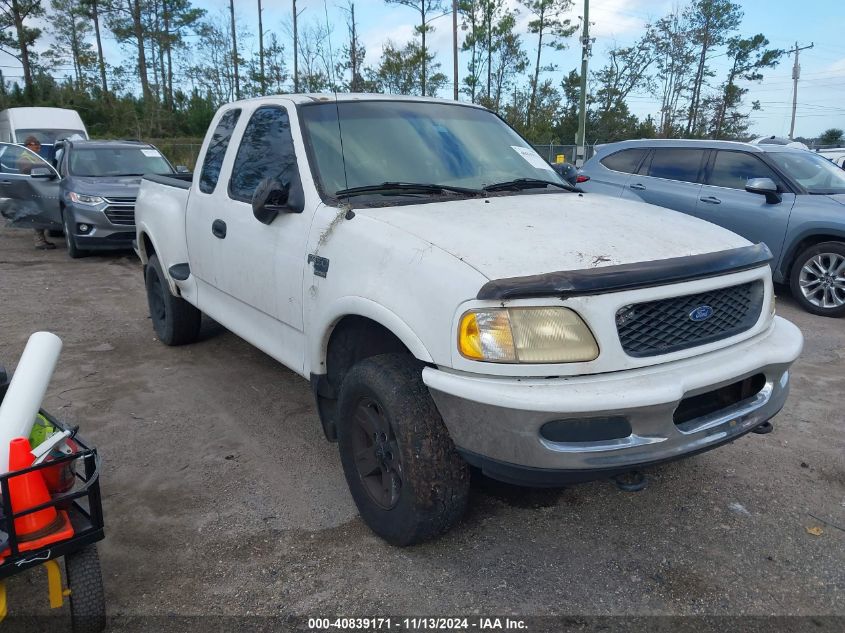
{"points": [[455, 303]]}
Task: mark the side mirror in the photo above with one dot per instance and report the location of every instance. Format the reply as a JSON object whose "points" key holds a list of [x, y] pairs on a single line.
{"points": [[42, 173], [765, 187], [182, 169]]}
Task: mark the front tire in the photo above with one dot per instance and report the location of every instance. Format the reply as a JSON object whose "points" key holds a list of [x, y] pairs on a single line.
{"points": [[73, 251], [403, 471], [817, 279], [175, 321]]}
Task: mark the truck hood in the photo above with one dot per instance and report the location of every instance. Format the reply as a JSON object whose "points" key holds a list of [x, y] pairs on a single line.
{"points": [[514, 236], [106, 186]]}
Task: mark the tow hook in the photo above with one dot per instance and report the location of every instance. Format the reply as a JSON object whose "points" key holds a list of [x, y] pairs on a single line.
{"points": [[763, 429], [632, 481]]}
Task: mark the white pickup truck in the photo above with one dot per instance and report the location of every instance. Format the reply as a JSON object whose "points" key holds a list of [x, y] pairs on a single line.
{"points": [[454, 303]]}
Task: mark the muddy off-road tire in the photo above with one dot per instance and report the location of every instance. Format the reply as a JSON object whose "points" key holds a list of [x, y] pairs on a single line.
{"points": [[176, 321], [87, 600], [403, 471]]}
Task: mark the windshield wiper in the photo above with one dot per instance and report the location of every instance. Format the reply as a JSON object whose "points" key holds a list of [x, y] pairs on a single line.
{"points": [[528, 183], [406, 187]]}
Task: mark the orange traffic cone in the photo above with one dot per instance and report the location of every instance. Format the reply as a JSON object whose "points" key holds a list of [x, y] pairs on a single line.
{"points": [[39, 528]]}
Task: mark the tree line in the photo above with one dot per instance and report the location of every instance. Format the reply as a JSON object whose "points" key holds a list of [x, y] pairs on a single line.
{"points": [[180, 63]]}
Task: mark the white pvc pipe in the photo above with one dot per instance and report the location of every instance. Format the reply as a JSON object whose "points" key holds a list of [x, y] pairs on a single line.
{"points": [[29, 384]]}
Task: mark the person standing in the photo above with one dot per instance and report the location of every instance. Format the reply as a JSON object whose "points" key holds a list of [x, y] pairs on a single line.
{"points": [[25, 164]]}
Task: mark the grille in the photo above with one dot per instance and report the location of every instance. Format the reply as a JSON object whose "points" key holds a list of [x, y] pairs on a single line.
{"points": [[665, 326], [121, 215], [120, 200]]}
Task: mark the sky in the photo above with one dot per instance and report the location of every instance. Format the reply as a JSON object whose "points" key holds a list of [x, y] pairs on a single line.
{"points": [[821, 89]]}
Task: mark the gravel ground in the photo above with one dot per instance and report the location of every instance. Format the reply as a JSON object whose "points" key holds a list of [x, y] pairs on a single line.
{"points": [[222, 497]]}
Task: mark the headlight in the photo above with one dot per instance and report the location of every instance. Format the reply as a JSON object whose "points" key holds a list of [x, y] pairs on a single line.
{"points": [[81, 198], [526, 335]]}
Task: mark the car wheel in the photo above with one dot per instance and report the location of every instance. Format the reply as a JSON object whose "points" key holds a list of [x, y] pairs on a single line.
{"points": [[817, 280], [403, 471], [176, 322], [73, 251]]}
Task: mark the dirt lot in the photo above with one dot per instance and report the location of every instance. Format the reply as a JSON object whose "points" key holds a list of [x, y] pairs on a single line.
{"points": [[222, 497]]}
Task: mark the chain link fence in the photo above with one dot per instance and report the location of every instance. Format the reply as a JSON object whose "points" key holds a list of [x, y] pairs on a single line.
{"points": [[550, 151]]}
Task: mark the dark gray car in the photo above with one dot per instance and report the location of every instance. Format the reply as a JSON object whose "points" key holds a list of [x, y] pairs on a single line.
{"points": [[791, 199], [89, 195]]}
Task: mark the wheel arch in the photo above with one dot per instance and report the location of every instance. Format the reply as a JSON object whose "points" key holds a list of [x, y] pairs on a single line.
{"points": [[806, 240], [357, 329]]}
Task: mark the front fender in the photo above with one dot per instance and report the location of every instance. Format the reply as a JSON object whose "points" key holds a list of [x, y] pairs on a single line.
{"points": [[359, 306]]}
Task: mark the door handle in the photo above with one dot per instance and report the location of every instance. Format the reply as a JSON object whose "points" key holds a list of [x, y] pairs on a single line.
{"points": [[638, 186], [218, 229], [711, 200]]}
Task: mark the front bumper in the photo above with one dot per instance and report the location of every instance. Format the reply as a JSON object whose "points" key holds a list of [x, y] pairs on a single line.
{"points": [[103, 235], [496, 422]]}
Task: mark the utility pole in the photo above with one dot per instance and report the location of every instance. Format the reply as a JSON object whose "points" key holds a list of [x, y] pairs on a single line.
{"points": [[261, 50], [796, 73], [235, 50], [295, 52], [586, 46], [455, 48]]}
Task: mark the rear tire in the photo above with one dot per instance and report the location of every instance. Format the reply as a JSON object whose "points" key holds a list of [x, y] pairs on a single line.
{"points": [[87, 599], [403, 471], [73, 251], [817, 280], [176, 322]]}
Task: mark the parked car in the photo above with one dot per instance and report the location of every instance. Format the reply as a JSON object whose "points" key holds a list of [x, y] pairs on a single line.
{"points": [[790, 199], [90, 196], [453, 302], [48, 125]]}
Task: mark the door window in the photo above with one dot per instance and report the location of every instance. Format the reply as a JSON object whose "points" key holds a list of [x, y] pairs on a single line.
{"points": [[675, 163], [266, 151], [217, 150], [15, 159], [733, 169], [625, 161]]}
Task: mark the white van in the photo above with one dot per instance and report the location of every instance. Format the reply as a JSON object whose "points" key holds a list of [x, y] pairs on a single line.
{"points": [[46, 124]]}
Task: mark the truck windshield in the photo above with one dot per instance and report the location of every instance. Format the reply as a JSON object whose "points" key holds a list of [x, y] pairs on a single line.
{"points": [[49, 136], [417, 142], [117, 161], [816, 174]]}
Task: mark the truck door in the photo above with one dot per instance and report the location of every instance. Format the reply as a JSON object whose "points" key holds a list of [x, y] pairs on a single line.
{"points": [[251, 272], [29, 189]]}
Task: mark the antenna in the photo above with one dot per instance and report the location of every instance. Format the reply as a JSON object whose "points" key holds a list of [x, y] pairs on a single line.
{"points": [[334, 89]]}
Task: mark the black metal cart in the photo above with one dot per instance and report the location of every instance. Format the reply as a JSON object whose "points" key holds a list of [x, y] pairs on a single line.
{"points": [[83, 505]]}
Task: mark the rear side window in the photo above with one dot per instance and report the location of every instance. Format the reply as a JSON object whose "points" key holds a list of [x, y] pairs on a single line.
{"points": [[217, 150], [266, 151], [625, 161], [676, 164], [733, 169]]}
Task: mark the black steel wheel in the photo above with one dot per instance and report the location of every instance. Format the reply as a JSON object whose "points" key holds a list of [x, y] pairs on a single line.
{"points": [[175, 321], [87, 599], [403, 471]]}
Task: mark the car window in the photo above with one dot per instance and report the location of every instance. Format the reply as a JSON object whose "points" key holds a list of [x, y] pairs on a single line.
{"points": [[16, 159], [625, 161], [266, 151], [733, 169], [675, 163], [217, 150]]}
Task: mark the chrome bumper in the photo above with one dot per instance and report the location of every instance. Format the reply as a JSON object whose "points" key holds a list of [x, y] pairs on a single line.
{"points": [[500, 419]]}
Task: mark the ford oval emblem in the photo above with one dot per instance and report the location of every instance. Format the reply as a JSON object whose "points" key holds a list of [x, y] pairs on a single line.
{"points": [[701, 313]]}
